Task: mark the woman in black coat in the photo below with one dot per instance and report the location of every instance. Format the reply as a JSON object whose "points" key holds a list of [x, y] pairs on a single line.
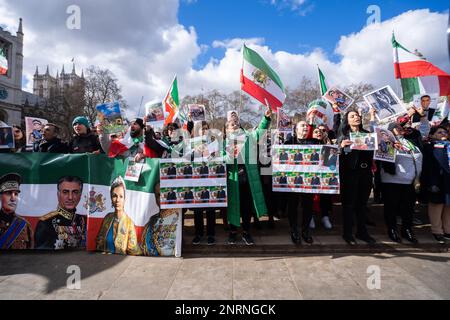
{"points": [[356, 179], [302, 133]]}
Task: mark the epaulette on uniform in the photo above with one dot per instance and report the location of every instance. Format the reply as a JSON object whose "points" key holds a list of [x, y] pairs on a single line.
{"points": [[49, 215]]}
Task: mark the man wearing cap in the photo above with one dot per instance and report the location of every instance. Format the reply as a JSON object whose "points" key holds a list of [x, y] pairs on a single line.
{"points": [[84, 141], [63, 228], [36, 135], [137, 136], [15, 231]]}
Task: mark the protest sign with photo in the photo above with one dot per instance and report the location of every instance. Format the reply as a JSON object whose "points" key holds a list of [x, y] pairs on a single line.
{"points": [[386, 103], [320, 112], [154, 113], [34, 129], [197, 112], [233, 115], [386, 141], [110, 117], [442, 110], [284, 123], [200, 183], [315, 171], [365, 141], [433, 98], [6, 138], [134, 170], [338, 98], [363, 107], [107, 212]]}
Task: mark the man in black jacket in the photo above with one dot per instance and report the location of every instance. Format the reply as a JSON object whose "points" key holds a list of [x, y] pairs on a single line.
{"points": [[50, 142]]}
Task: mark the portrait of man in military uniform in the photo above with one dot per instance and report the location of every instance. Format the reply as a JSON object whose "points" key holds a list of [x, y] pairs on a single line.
{"points": [[63, 228], [15, 231]]}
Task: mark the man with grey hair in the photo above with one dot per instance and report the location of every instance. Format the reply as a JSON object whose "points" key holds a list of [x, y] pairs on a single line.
{"points": [[15, 231]]}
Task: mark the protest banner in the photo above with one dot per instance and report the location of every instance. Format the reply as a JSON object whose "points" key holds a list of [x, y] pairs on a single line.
{"points": [[385, 150], [365, 141], [110, 117], [339, 99], [308, 169], [135, 225], [386, 103], [34, 130], [200, 183]]}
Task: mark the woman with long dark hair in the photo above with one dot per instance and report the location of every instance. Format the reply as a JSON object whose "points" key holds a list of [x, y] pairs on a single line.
{"points": [[356, 179]]}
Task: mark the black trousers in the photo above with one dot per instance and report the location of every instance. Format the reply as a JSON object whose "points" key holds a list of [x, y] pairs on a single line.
{"points": [[326, 204], [399, 199], [355, 190], [210, 222], [306, 201], [246, 207]]}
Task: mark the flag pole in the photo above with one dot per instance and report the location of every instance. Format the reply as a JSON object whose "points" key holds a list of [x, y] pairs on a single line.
{"points": [[140, 106], [240, 88], [318, 76]]}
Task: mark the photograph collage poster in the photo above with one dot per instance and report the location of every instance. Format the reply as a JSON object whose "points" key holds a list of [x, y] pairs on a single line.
{"points": [[201, 183], [306, 169]]}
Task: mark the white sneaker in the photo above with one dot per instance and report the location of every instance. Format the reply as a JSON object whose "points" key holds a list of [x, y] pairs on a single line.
{"points": [[312, 224], [326, 223]]}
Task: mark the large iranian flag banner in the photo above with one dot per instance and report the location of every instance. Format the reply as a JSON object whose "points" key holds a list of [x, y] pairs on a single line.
{"points": [[53, 202], [260, 81]]}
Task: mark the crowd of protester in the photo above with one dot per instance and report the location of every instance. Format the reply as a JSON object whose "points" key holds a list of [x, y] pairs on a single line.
{"points": [[420, 174]]}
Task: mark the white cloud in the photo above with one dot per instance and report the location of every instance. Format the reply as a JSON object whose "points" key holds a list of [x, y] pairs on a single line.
{"points": [[365, 56], [237, 43], [144, 45], [302, 7]]}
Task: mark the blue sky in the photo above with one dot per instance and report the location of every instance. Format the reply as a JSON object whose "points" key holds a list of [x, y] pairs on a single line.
{"points": [[157, 39], [315, 24]]}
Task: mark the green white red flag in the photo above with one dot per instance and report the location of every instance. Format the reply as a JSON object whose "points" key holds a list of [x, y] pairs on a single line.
{"points": [[260, 81], [417, 74], [3, 63], [172, 102]]}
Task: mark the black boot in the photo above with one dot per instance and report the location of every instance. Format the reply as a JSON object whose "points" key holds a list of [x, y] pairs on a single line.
{"points": [[409, 235], [393, 235]]}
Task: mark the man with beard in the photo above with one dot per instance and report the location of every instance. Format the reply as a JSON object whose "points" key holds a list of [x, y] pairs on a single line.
{"points": [[15, 231], [136, 134], [63, 228]]}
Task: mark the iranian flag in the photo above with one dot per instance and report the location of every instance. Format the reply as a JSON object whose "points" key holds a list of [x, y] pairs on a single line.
{"points": [[3, 62], [172, 102], [260, 81], [122, 145], [39, 197], [417, 74]]}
